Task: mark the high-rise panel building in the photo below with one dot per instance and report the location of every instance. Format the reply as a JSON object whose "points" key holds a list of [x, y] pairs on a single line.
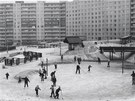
{"points": [[55, 21], [30, 23], [6, 24], [132, 17], [98, 19]]}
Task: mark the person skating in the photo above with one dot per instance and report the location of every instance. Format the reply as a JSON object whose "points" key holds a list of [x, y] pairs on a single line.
{"points": [[45, 73], [42, 76], [52, 74], [89, 68], [52, 91], [74, 58], [108, 63], [55, 65], [7, 75], [57, 92], [54, 81], [133, 78], [36, 89], [99, 60], [26, 80], [78, 69], [61, 57]]}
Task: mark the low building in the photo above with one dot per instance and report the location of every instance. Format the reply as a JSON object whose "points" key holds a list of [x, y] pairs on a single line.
{"points": [[73, 42]]}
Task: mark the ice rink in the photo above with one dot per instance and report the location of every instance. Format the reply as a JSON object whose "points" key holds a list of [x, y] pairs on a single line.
{"points": [[100, 84]]}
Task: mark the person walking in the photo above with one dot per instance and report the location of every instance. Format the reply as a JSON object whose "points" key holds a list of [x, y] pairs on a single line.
{"points": [[133, 78], [26, 80], [89, 68], [7, 75], [36, 89], [57, 92], [78, 69], [52, 91]]}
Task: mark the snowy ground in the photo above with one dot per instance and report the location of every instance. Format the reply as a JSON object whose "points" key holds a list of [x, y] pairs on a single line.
{"points": [[101, 84]]}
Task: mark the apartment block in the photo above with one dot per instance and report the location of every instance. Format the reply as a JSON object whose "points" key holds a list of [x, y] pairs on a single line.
{"points": [[6, 24], [98, 19], [31, 23], [55, 21], [132, 17]]}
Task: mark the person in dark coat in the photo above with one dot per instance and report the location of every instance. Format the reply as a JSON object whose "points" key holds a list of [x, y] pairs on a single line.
{"points": [[74, 58], [55, 65], [7, 75], [108, 63], [52, 74], [89, 68], [57, 92], [45, 73], [61, 57], [54, 81], [133, 78], [36, 89], [52, 91], [42, 76], [26, 80], [78, 69], [99, 60]]}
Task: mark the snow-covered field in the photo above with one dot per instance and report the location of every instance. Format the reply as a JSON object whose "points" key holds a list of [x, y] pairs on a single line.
{"points": [[101, 84]]}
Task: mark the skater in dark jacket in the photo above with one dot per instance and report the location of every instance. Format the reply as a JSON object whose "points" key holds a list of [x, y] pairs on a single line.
{"points": [[57, 92], [74, 58], [55, 66], [89, 68], [42, 76], [78, 69], [7, 75], [133, 78], [26, 80], [52, 74], [45, 73], [52, 91], [36, 89], [54, 81], [108, 63]]}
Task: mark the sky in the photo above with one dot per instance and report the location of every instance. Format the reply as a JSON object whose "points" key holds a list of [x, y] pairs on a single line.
{"points": [[3, 1]]}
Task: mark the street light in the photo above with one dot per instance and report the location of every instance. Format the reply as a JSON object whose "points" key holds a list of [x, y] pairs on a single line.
{"points": [[59, 34]]}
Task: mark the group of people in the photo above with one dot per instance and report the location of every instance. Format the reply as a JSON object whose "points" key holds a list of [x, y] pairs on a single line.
{"points": [[54, 90], [43, 74]]}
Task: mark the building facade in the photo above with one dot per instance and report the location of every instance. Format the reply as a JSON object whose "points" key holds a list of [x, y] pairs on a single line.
{"points": [[132, 17], [98, 19], [31, 23], [6, 24]]}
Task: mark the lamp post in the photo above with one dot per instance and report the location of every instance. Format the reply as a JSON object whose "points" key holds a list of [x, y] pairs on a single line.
{"points": [[59, 35]]}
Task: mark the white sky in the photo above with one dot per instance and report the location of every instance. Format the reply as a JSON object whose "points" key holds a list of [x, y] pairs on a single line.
{"points": [[13, 1]]}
